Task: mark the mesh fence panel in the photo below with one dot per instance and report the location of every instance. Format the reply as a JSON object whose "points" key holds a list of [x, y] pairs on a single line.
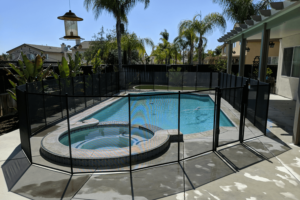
{"points": [[46, 149], [228, 85], [121, 79], [108, 84], [203, 80], [175, 80], [229, 132], [196, 123], [23, 120], [153, 119], [96, 88], [36, 106], [221, 80], [161, 80], [89, 90], [147, 80], [238, 94], [232, 92], [53, 104], [251, 107], [215, 80], [67, 88], [132, 80], [79, 91], [103, 89], [225, 78], [262, 107], [189, 80]]}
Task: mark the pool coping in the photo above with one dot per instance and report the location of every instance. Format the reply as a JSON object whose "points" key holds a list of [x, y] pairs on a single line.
{"points": [[52, 149]]}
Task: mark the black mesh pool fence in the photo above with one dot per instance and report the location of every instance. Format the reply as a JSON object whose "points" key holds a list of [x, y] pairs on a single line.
{"points": [[147, 129]]}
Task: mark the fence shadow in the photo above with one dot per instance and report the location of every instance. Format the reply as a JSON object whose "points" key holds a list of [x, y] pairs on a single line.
{"points": [[239, 156], [15, 166]]}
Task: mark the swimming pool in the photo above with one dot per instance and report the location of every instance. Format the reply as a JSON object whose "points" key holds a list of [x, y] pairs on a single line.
{"points": [[196, 112]]}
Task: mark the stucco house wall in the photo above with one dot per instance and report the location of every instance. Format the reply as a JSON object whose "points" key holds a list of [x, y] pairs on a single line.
{"points": [[53, 55], [287, 86], [254, 46]]}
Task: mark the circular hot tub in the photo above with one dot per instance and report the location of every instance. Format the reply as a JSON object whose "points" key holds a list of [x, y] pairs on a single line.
{"points": [[104, 145]]}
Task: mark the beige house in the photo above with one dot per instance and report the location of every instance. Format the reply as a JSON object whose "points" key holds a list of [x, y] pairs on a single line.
{"points": [[52, 54], [254, 46], [281, 25]]}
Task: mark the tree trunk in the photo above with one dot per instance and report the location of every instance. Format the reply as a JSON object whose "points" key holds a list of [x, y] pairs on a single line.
{"points": [[119, 43], [200, 50]]}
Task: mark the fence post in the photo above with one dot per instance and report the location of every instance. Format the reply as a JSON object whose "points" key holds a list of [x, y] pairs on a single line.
{"points": [[179, 127], [243, 112], [28, 121], [129, 125], [43, 91], [69, 133], [217, 122]]}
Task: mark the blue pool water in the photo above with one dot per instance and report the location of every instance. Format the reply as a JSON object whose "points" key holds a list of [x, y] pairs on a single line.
{"points": [[196, 112], [106, 137]]}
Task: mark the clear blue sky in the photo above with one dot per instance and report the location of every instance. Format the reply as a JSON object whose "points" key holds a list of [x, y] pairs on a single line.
{"points": [[35, 21]]}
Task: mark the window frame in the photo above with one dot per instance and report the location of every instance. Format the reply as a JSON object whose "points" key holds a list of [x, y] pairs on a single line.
{"points": [[292, 62]]}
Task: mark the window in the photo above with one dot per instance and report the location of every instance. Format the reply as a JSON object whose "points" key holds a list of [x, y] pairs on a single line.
{"points": [[224, 50], [234, 44], [30, 56], [273, 60], [291, 62], [46, 55]]}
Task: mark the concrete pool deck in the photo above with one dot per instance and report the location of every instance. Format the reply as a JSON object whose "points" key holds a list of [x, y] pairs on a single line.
{"points": [[272, 173]]}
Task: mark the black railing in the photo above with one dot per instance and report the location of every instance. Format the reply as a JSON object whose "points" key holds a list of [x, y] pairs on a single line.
{"points": [[44, 107]]}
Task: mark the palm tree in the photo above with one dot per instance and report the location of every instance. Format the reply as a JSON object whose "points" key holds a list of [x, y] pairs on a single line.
{"points": [[182, 44], [119, 9], [160, 54], [201, 27], [189, 34], [165, 34], [132, 42], [165, 45], [239, 10]]}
